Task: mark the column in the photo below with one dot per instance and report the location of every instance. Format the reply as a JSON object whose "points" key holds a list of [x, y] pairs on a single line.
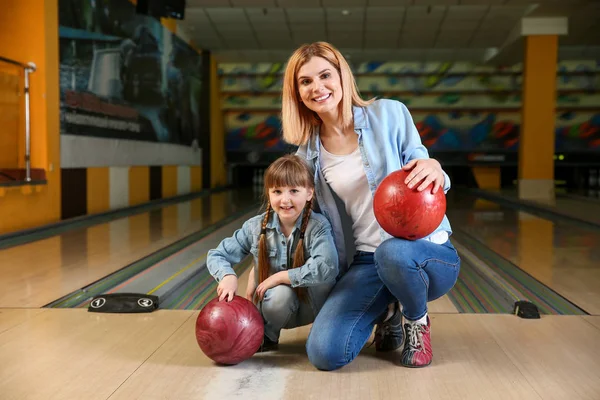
{"points": [[537, 137]]}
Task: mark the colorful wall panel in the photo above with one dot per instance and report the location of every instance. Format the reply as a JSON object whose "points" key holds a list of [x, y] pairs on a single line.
{"points": [[457, 107]]}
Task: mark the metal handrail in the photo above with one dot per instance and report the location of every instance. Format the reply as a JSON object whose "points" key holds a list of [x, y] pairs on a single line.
{"points": [[28, 68]]}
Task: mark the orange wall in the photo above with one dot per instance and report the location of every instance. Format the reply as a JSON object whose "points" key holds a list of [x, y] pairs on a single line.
{"points": [[10, 115], [29, 32]]}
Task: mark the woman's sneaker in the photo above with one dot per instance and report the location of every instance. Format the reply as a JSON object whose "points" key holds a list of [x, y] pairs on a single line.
{"points": [[389, 334], [417, 348]]}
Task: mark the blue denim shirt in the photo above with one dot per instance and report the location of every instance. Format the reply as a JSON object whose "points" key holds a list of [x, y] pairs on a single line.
{"points": [[321, 256], [388, 139]]}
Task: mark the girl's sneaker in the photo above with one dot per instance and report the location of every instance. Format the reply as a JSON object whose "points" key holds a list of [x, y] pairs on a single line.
{"points": [[268, 345]]}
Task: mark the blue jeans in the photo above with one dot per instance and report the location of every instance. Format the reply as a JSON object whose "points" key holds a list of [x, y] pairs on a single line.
{"points": [[413, 272]]}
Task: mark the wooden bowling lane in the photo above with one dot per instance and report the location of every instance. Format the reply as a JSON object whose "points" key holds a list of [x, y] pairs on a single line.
{"points": [[576, 207], [35, 274], [563, 256], [471, 362], [443, 305], [592, 195], [594, 320], [580, 208], [9, 318], [73, 354]]}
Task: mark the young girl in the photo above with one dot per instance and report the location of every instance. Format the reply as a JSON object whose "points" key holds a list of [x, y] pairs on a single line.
{"points": [[292, 247]]}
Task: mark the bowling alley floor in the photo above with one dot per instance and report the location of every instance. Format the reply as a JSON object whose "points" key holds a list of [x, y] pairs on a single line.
{"points": [[479, 352], [72, 354]]}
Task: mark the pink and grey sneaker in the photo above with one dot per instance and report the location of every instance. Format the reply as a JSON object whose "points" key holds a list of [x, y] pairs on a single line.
{"points": [[417, 345]]}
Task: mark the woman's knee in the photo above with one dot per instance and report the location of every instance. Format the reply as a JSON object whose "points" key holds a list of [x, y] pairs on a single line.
{"points": [[395, 253], [325, 351]]}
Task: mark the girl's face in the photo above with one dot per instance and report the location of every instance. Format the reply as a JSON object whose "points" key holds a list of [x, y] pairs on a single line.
{"points": [[320, 86], [288, 202]]}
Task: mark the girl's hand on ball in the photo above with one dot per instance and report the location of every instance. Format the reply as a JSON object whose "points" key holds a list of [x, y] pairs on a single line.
{"points": [[227, 287]]}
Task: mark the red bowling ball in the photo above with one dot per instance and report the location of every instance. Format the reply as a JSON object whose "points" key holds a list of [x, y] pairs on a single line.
{"points": [[407, 213], [229, 332]]}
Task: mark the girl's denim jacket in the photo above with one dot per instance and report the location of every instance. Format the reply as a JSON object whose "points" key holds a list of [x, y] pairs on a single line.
{"points": [[388, 139], [321, 266]]}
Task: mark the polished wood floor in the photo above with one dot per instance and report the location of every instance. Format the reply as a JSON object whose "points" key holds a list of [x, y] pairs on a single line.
{"points": [[37, 273], [72, 354], [563, 256], [577, 206]]}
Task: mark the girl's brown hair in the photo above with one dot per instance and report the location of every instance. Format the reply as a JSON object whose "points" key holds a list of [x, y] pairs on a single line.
{"points": [[290, 171], [298, 121]]}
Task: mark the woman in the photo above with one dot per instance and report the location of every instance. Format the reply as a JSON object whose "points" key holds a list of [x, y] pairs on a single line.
{"points": [[352, 145]]}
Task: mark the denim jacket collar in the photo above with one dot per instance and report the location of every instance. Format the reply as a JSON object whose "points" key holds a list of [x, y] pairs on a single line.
{"points": [[361, 121], [314, 145], [274, 223]]}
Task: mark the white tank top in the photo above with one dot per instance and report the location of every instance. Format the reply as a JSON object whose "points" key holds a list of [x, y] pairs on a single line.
{"points": [[347, 178]]}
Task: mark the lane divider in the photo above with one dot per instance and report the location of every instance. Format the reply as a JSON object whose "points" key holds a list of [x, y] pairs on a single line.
{"points": [[175, 275], [131, 272]]}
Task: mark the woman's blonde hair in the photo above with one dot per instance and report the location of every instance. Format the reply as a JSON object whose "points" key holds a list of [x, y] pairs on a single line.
{"points": [[289, 170], [298, 121]]}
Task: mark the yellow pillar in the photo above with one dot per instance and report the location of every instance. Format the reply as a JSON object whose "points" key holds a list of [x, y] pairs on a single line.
{"points": [[487, 177], [536, 143]]}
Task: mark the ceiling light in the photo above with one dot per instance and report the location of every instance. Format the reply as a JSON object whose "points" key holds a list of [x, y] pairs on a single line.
{"points": [[345, 12]]}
